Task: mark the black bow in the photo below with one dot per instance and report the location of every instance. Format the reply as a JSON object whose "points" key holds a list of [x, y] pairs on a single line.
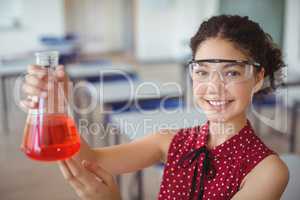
{"points": [[206, 167]]}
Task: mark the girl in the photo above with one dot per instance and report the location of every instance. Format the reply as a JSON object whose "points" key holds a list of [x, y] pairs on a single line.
{"points": [[222, 159]]}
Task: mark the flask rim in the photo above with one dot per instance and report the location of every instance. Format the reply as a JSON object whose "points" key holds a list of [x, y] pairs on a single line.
{"points": [[47, 53]]}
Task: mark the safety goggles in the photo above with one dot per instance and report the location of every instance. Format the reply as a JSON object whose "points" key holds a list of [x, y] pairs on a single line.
{"points": [[230, 71]]}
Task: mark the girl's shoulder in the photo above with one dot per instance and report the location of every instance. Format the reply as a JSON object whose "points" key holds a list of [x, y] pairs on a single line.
{"points": [[271, 171], [260, 159]]}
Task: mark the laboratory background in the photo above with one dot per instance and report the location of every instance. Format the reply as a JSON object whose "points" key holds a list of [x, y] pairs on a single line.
{"points": [[146, 40]]}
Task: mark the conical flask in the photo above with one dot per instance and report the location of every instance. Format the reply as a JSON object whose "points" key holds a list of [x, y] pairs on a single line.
{"points": [[50, 133]]}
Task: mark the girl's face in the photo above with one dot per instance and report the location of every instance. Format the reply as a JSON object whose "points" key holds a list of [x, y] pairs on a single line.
{"points": [[236, 95]]}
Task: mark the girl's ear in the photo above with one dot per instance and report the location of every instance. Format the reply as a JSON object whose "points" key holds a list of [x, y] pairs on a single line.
{"points": [[259, 80]]}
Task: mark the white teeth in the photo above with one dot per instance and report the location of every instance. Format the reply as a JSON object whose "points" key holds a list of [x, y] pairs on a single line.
{"points": [[217, 103]]}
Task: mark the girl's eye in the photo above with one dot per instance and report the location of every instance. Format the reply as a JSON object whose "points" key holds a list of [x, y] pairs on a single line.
{"points": [[201, 72], [233, 73]]}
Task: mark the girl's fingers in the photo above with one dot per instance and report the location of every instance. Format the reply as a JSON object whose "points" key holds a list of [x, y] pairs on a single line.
{"points": [[69, 176], [108, 186], [33, 98], [33, 91], [99, 172], [40, 78], [37, 70], [82, 175], [77, 186], [85, 182], [75, 183], [65, 170], [60, 67], [28, 104], [35, 81], [60, 72], [42, 73]]}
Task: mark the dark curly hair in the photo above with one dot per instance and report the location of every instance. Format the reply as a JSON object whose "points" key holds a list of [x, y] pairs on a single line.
{"points": [[249, 37]]}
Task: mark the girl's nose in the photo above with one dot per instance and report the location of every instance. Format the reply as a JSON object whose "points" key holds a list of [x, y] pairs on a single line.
{"points": [[216, 85], [216, 77]]}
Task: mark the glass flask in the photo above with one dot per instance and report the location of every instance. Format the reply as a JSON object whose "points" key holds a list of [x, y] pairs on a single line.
{"points": [[50, 133]]}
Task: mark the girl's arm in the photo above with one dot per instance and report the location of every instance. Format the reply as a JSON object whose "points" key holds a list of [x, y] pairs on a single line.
{"points": [[135, 155], [267, 181], [129, 157]]}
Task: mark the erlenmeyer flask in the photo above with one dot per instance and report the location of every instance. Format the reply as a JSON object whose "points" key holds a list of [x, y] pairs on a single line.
{"points": [[50, 133]]}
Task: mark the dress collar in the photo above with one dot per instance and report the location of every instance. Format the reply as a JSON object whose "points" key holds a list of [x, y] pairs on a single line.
{"points": [[231, 145]]}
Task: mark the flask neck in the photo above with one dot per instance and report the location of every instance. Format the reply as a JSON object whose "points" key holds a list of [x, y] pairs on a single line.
{"points": [[48, 59], [51, 105]]}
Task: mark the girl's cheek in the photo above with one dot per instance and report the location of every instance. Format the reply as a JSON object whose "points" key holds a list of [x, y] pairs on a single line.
{"points": [[198, 89], [242, 94]]}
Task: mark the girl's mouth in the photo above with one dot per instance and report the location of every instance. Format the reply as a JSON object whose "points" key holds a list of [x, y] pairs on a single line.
{"points": [[219, 104]]}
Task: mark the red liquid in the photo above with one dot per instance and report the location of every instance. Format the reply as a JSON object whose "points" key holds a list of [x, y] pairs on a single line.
{"points": [[50, 137]]}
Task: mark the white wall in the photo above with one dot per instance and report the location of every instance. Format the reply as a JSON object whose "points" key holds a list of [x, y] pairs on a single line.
{"points": [[164, 27], [291, 47], [292, 36], [98, 23], [37, 17]]}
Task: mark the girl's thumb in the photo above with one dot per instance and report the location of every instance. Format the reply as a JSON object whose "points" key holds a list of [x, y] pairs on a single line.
{"points": [[60, 72]]}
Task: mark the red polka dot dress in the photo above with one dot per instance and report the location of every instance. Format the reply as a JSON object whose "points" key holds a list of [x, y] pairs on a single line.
{"points": [[193, 171]]}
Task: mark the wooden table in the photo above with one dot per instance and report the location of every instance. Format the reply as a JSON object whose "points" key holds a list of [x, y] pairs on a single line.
{"points": [[83, 71], [133, 90]]}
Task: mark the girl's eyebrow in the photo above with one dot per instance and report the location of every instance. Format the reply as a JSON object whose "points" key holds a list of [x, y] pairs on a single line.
{"points": [[231, 64], [225, 65], [204, 64]]}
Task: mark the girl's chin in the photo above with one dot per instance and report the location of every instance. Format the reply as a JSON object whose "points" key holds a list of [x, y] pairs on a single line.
{"points": [[222, 117], [217, 117]]}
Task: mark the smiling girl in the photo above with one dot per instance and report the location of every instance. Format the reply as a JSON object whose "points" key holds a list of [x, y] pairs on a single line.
{"points": [[223, 158]]}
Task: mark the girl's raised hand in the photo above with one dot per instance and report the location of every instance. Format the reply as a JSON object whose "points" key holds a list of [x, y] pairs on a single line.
{"points": [[37, 82], [89, 180]]}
